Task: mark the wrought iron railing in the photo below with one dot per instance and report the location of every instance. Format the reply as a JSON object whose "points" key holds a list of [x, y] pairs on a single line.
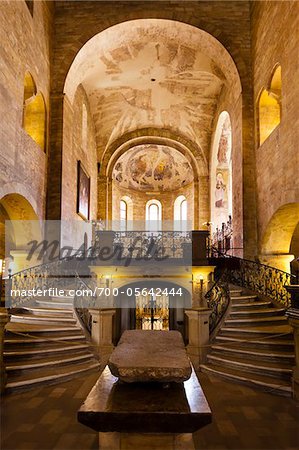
{"points": [[218, 299], [140, 243], [265, 280], [44, 276], [222, 237], [81, 301]]}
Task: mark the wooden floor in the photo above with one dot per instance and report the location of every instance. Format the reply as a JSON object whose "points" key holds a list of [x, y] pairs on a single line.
{"points": [[243, 418]]}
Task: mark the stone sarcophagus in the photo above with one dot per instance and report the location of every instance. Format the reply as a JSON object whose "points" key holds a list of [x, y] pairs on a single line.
{"points": [[144, 356]]}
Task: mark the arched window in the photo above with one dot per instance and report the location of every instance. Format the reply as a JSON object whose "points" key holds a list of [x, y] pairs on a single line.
{"points": [[180, 212], [269, 106], [84, 127], [123, 214], [153, 215], [34, 112]]}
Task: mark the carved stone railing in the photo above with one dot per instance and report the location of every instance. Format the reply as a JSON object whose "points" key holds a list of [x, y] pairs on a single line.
{"points": [[259, 278], [218, 299]]}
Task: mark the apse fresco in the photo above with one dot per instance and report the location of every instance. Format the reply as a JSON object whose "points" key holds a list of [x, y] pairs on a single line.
{"points": [[152, 168]]}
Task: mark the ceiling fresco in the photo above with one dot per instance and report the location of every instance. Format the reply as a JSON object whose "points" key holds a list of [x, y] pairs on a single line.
{"points": [[151, 73], [152, 168]]}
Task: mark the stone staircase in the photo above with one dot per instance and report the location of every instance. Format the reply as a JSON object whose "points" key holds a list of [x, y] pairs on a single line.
{"points": [[46, 344], [254, 345]]}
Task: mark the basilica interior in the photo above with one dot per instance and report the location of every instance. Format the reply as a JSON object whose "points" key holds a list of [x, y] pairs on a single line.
{"points": [[173, 122]]}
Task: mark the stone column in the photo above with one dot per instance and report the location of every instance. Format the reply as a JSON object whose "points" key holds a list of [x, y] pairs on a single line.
{"points": [[198, 334], [4, 319], [102, 331]]}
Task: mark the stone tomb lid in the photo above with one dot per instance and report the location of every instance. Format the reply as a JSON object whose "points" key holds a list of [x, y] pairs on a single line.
{"points": [[112, 406], [146, 356]]}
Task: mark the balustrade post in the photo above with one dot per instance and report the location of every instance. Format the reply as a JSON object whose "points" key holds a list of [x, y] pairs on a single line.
{"points": [[4, 319], [198, 335], [102, 331]]}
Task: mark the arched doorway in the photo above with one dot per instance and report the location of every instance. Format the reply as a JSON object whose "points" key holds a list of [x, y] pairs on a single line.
{"points": [[19, 224], [152, 304]]}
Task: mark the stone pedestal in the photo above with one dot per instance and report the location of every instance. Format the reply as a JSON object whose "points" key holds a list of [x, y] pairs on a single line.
{"points": [[198, 334], [102, 331], [293, 316], [149, 441], [145, 416], [4, 319]]}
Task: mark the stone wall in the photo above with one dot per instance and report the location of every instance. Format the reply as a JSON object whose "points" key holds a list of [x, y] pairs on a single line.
{"points": [[274, 33], [74, 150], [25, 42]]}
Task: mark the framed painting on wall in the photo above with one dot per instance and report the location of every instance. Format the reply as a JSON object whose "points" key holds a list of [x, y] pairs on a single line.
{"points": [[83, 192]]}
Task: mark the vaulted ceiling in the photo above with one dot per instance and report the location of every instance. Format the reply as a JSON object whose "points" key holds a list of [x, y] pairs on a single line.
{"points": [[151, 73]]}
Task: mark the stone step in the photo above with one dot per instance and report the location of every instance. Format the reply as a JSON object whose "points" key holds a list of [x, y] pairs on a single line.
{"points": [[263, 382], [258, 331], [263, 368], [52, 375], [250, 305], [53, 312], [61, 299], [235, 292], [46, 349], [36, 341], [253, 312], [244, 298], [257, 343], [255, 321], [30, 318], [54, 304], [239, 350], [20, 366]]}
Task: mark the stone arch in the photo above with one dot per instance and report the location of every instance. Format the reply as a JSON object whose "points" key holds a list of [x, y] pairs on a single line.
{"points": [[86, 34], [19, 225], [153, 136], [223, 66], [189, 149], [277, 238]]}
